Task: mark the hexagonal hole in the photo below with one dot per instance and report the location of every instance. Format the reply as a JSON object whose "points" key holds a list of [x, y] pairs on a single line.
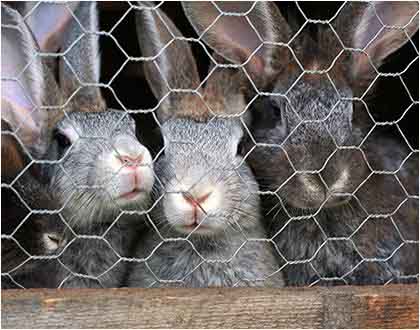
{"points": [[377, 238], [323, 62], [394, 107], [262, 256], [265, 163], [299, 240], [336, 258], [304, 149], [168, 261], [345, 220], [381, 194], [287, 69], [345, 171], [100, 254], [133, 226], [220, 84]]}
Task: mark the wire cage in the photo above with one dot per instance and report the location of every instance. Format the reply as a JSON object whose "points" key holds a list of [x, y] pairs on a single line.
{"points": [[211, 144]]}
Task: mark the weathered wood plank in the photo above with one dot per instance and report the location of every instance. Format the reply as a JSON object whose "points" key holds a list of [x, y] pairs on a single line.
{"points": [[394, 306]]}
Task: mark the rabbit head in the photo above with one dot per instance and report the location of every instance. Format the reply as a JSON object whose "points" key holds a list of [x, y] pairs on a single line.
{"points": [[205, 186], [306, 115], [102, 166], [35, 235], [84, 146]]}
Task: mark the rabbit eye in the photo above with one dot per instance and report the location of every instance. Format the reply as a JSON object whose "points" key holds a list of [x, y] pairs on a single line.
{"points": [[62, 140], [51, 241], [240, 148], [277, 111]]}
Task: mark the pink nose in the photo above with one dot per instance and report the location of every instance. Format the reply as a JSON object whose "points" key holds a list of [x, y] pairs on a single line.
{"points": [[195, 201], [131, 162]]}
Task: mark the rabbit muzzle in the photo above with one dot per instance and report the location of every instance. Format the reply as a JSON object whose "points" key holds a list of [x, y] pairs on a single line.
{"points": [[195, 208], [130, 163]]}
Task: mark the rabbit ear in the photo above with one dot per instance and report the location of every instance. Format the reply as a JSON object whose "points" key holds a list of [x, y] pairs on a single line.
{"points": [[361, 25], [233, 37], [48, 22], [21, 99], [175, 60], [69, 27], [81, 44]]}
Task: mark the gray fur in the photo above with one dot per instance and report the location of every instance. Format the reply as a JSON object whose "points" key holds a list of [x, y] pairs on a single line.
{"points": [[200, 159], [308, 126], [205, 154], [87, 179]]}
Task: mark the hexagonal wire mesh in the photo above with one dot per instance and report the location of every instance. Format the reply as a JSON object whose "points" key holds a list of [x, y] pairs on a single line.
{"points": [[332, 197]]}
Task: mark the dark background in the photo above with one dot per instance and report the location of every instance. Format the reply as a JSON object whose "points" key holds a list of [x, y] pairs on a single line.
{"points": [[388, 101]]}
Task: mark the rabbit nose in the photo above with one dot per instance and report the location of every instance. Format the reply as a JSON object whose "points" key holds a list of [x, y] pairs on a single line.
{"points": [[128, 150], [195, 202], [128, 161]]}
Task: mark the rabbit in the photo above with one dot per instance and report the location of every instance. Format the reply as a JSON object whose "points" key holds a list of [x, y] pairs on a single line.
{"points": [[96, 167], [39, 234], [333, 219], [209, 210]]}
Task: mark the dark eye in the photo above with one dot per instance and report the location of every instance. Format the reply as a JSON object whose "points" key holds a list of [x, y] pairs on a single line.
{"points": [[242, 149], [277, 111], [268, 114], [62, 140]]}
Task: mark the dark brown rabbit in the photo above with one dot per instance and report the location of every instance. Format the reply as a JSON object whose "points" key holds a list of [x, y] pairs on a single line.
{"points": [[346, 196]]}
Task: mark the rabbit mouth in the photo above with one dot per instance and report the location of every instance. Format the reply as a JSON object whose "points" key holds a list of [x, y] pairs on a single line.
{"points": [[195, 228], [131, 195]]}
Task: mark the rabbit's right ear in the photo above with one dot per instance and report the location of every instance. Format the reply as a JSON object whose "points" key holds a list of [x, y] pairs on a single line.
{"points": [[174, 58], [233, 37], [379, 28], [48, 22], [22, 92]]}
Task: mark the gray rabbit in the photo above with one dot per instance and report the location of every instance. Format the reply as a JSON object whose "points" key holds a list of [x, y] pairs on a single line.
{"points": [[98, 168], [318, 149], [208, 214]]}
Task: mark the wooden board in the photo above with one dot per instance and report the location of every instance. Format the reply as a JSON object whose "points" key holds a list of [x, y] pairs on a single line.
{"points": [[393, 306]]}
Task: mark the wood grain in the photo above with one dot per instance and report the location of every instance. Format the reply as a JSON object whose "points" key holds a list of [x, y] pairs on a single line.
{"points": [[393, 306]]}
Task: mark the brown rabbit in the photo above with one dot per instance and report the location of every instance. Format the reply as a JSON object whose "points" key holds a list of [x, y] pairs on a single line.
{"points": [[312, 132]]}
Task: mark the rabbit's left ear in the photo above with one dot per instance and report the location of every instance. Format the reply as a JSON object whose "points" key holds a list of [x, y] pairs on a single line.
{"points": [[23, 85], [379, 28], [236, 37]]}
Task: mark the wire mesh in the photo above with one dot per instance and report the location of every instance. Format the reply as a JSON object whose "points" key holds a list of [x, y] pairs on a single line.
{"points": [[269, 205]]}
